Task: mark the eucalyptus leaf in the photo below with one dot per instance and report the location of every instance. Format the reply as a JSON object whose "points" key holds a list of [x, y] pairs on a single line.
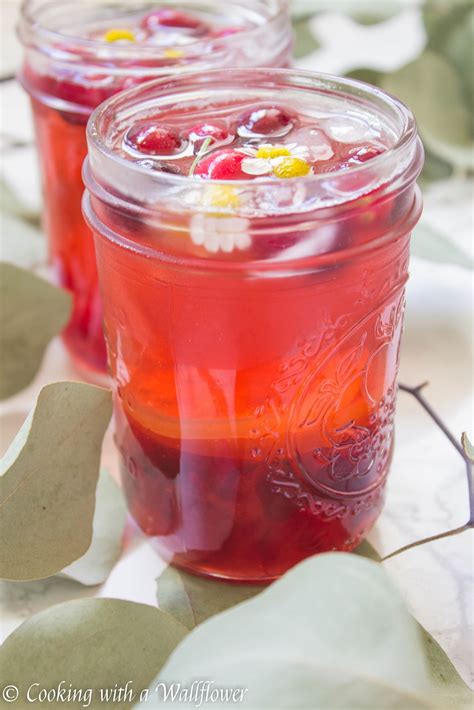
{"points": [[433, 90], [450, 29], [31, 313], [332, 633], [12, 204], [90, 645], [451, 691], [305, 41], [429, 243], [21, 244], [192, 599], [48, 481], [365, 549], [108, 526]]}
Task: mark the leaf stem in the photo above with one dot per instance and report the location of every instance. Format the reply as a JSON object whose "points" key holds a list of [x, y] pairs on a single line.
{"points": [[202, 150]]}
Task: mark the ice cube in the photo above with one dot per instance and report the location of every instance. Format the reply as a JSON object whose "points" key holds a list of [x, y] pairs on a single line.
{"points": [[315, 140], [349, 129]]}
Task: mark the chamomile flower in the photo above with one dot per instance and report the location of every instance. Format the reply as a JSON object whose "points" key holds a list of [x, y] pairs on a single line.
{"points": [[282, 161], [217, 231]]}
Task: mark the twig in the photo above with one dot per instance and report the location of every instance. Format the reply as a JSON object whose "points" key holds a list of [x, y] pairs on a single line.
{"points": [[417, 393]]}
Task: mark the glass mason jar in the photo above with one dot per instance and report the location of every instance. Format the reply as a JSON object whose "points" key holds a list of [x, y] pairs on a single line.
{"points": [[255, 379], [68, 71]]}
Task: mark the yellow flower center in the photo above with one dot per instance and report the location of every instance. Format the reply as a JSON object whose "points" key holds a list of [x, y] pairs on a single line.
{"points": [[268, 152], [222, 196], [117, 35], [291, 167], [173, 53]]}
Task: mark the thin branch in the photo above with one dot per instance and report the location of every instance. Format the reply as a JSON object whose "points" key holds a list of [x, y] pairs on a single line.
{"points": [[417, 393], [463, 451], [425, 540]]}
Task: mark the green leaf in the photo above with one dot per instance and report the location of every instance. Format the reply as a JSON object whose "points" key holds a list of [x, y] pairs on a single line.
{"points": [[432, 89], [192, 599], [370, 76], [434, 168], [90, 645], [31, 313], [332, 633], [22, 244], [365, 549], [108, 526], [305, 41], [430, 244], [48, 482], [451, 691], [12, 204]]}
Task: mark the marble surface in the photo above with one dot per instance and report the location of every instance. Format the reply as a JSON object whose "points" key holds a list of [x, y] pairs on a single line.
{"points": [[427, 492]]}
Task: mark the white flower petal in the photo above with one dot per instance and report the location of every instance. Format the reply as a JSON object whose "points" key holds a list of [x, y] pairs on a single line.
{"points": [[227, 242], [301, 151], [256, 166], [212, 242], [242, 240], [198, 229]]}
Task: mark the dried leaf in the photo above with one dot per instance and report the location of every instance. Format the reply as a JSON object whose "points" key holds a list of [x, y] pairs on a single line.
{"points": [[48, 481], [451, 691], [90, 645], [21, 244], [192, 599], [431, 244], [31, 313], [108, 526], [333, 632], [432, 89]]}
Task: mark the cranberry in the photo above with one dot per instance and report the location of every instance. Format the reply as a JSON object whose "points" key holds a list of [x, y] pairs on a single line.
{"points": [[363, 153], [222, 165], [153, 139], [271, 121], [171, 18], [198, 134]]}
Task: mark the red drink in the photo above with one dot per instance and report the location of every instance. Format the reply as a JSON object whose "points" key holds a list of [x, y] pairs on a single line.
{"points": [[254, 325], [78, 55]]}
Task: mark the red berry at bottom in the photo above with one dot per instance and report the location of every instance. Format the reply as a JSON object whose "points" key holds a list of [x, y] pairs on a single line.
{"points": [[153, 139], [222, 165]]}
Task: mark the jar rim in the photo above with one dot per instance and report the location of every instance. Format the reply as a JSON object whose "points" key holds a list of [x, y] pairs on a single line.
{"points": [[30, 22], [402, 160]]}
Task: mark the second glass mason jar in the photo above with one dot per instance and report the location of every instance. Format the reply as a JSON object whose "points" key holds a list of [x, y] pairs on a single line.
{"points": [[254, 324], [77, 54]]}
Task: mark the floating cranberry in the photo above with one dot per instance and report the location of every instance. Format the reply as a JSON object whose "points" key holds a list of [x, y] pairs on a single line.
{"points": [[222, 165], [198, 134], [161, 166], [363, 153], [171, 18], [266, 122], [153, 139]]}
